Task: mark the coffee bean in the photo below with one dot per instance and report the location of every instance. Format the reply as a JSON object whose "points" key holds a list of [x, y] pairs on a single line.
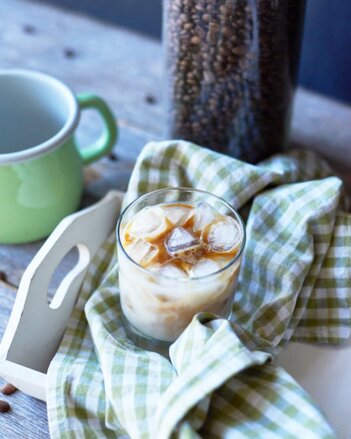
{"points": [[8, 389], [241, 50], [195, 40], [4, 406], [231, 72]]}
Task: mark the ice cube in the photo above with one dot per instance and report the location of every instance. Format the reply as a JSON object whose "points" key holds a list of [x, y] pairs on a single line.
{"points": [[177, 214], [204, 215], [171, 270], [224, 235], [204, 267], [181, 243], [148, 223], [142, 252]]}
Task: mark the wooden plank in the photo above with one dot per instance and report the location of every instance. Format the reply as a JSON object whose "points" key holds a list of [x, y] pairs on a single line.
{"points": [[324, 126], [87, 54], [125, 69], [38, 36], [28, 417], [7, 298]]}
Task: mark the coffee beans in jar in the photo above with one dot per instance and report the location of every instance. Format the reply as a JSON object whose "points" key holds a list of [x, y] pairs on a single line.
{"points": [[231, 72]]}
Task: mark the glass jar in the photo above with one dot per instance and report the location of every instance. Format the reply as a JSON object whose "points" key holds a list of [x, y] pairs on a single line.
{"points": [[231, 72], [158, 304]]}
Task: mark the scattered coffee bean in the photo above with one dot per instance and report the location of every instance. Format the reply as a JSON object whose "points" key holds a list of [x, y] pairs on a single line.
{"points": [[195, 40], [4, 406], [8, 389], [231, 72]]}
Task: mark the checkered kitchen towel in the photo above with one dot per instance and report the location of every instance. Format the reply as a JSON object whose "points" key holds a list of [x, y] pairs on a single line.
{"points": [[219, 382]]}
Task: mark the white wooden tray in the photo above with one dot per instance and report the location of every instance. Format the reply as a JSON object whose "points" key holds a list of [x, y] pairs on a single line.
{"points": [[35, 327]]}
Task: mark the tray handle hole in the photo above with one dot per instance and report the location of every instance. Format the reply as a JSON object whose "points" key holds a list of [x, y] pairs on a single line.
{"points": [[71, 266]]}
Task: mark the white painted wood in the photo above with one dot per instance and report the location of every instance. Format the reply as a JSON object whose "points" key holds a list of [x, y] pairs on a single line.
{"points": [[324, 371], [28, 380], [35, 327]]}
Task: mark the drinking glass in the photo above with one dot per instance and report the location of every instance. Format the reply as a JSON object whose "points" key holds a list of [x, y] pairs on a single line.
{"points": [[157, 308]]}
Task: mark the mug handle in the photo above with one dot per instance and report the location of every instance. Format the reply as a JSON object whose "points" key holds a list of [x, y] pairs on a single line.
{"points": [[105, 142]]}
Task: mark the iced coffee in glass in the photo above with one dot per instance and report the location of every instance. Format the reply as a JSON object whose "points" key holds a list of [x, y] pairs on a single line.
{"points": [[179, 253]]}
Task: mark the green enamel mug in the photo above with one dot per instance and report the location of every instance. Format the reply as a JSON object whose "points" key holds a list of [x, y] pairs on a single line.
{"points": [[41, 166]]}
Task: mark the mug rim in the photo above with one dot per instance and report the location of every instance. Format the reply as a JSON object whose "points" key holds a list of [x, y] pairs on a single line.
{"points": [[57, 139]]}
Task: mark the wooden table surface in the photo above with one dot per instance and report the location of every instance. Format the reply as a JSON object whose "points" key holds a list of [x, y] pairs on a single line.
{"points": [[126, 70]]}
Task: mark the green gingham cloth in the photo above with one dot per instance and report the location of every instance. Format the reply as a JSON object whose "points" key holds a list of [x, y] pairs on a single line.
{"points": [[220, 381]]}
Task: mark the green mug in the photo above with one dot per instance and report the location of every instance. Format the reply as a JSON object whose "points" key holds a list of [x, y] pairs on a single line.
{"points": [[41, 167]]}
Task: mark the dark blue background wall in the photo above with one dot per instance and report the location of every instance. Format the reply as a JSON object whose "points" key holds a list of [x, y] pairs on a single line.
{"points": [[326, 53]]}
